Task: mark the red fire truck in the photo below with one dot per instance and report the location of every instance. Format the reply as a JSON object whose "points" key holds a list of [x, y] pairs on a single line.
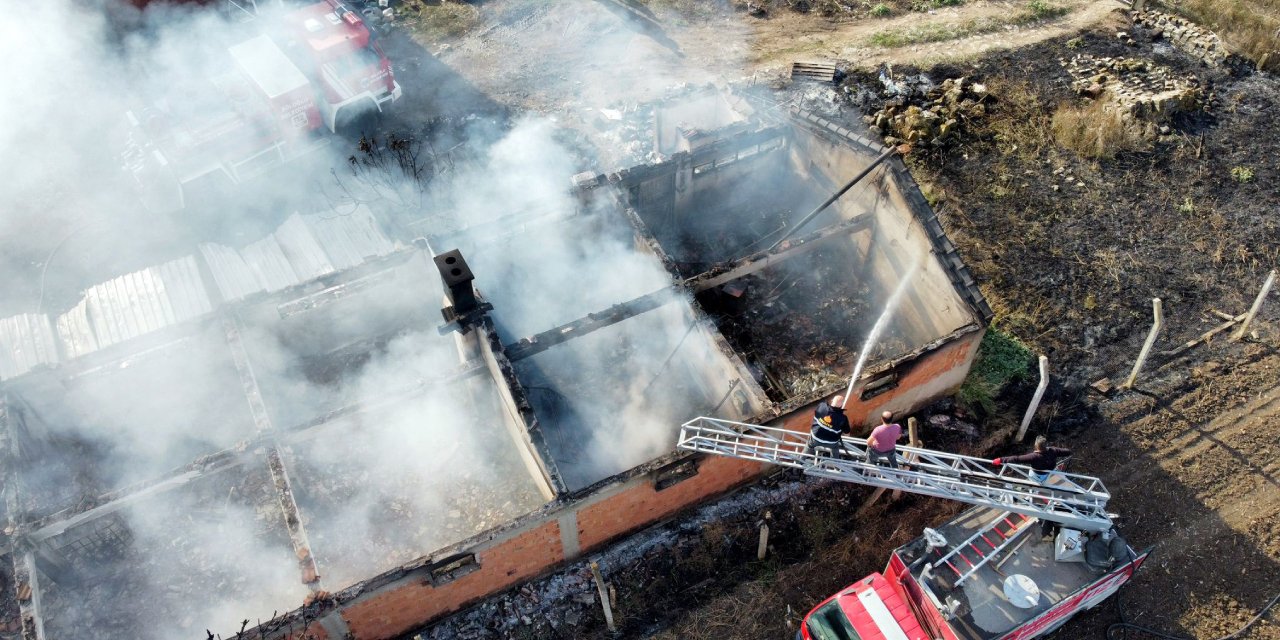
{"points": [[991, 573], [317, 66], [1025, 592]]}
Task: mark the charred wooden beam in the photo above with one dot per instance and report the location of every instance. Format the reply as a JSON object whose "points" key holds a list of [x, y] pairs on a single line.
{"points": [[279, 476], [715, 277], [536, 344], [724, 273], [27, 587]]}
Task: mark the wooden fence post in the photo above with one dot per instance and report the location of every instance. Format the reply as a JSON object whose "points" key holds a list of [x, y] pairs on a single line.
{"points": [[1156, 326], [1257, 304], [1035, 399], [604, 596]]}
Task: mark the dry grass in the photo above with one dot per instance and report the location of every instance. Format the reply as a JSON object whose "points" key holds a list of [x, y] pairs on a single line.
{"points": [[1034, 11], [1250, 28], [1095, 131], [438, 22]]}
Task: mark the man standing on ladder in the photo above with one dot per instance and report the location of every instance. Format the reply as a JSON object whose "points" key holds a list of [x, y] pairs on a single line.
{"points": [[829, 426], [882, 444], [1043, 462]]}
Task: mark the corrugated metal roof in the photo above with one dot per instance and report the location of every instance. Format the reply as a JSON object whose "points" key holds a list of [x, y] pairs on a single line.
{"points": [[233, 277], [350, 238], [134, 304], [309, 260], [267, 261], [305, 247], [26, 341]]}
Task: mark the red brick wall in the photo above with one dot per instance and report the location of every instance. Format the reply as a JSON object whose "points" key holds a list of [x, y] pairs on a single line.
{"points": [[313, 632], [922, 371], [507, 563], [639, 505], [635, 505]]}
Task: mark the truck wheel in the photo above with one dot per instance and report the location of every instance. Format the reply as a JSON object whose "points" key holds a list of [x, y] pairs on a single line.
{"points": [[356, 119]]}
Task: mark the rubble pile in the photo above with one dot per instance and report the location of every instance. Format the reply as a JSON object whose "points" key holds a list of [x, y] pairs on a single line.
{"points": [[942, 112], [1187, 36], [1142, 90]]}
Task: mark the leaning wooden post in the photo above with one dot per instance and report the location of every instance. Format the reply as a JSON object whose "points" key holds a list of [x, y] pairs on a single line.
{"points": [[1156, 326], [1035, 399], [1257, 304], [913, 441], [604, 596]]}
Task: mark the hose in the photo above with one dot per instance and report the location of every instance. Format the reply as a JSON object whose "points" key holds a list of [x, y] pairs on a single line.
{"points": [[1125, 624]]}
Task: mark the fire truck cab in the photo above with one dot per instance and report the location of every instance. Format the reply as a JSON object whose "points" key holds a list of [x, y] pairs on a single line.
{"points": [[312, 67], [984, 575], [333, 45]]}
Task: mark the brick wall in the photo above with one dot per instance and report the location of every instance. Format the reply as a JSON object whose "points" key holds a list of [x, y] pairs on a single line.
{"points": [[508, 562], [638, 504], [536, 547]]}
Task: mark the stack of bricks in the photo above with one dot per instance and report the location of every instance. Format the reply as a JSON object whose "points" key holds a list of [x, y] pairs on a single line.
{"points": [[1185, 35], [1139, 88]]}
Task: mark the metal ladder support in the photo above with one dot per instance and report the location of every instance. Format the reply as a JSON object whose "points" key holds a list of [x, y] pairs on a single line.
{"points": [[1073, 500]]}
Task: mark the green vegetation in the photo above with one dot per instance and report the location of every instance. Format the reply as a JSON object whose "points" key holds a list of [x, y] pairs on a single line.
{"points": [[1188, 206], [926, 5], [1250, 28], [1075, 43], [1242, 174], [1095, 131], [1035, 11], [881, 10], [1001, 359]]}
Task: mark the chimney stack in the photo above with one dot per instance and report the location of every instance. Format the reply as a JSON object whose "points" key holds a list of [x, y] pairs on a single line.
{"points": [[457, 279]]}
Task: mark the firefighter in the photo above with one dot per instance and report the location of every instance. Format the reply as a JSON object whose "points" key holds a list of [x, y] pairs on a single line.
{"points": [[829, 427]]}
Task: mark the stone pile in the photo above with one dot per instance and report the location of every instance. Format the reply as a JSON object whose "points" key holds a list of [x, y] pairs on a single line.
{"points": [[943, 111], [1185, 35], [1140, 89]]}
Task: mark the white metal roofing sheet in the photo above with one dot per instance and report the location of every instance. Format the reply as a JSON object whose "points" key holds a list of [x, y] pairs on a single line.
{"points": [[350, 238], [26, 341], [301, 248], [134, 304]]}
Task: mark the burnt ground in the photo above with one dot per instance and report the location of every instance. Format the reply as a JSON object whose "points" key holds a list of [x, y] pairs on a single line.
{"points": [[1070, 251]]}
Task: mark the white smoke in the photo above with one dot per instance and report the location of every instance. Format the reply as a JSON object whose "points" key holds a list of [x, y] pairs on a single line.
{"points": [[377, 488]]}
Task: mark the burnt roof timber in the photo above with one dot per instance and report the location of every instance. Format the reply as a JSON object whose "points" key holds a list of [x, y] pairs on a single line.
{"points": [[714, 277], [725, 273]]}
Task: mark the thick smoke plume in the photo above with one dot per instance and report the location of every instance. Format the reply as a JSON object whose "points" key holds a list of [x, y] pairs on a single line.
{"points": [[377, 487]]}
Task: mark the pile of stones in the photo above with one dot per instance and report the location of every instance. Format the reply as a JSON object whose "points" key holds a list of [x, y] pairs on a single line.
{"points": [[943, 112]]}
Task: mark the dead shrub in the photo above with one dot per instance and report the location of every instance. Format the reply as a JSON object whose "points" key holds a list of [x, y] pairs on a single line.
{"points": [[1095, 131]]}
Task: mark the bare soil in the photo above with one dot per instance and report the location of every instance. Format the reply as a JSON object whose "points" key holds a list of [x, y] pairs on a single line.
{"points": [[1070, 252]]}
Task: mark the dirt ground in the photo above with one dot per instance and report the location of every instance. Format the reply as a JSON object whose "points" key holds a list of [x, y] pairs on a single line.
{"points": [[1069, 250]]}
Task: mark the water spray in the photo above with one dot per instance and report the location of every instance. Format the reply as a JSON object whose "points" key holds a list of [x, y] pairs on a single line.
{"points": [[883, 321]]}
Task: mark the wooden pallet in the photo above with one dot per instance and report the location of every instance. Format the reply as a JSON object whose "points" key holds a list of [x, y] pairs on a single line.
{"points": [[821, 71]]}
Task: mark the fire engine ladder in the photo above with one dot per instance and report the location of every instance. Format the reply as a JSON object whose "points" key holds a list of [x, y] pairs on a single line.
{"points": [[1075, 501], [992, 536]]}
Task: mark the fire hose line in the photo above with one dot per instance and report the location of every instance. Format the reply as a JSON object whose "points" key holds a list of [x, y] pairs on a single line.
{"points": [[1125, 625]]}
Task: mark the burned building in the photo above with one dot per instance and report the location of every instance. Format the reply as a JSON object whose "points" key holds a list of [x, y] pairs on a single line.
{"points": [[233, 434]]}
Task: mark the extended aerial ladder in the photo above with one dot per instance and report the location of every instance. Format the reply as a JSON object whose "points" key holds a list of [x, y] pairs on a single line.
{"points": [[1075, 501]]}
